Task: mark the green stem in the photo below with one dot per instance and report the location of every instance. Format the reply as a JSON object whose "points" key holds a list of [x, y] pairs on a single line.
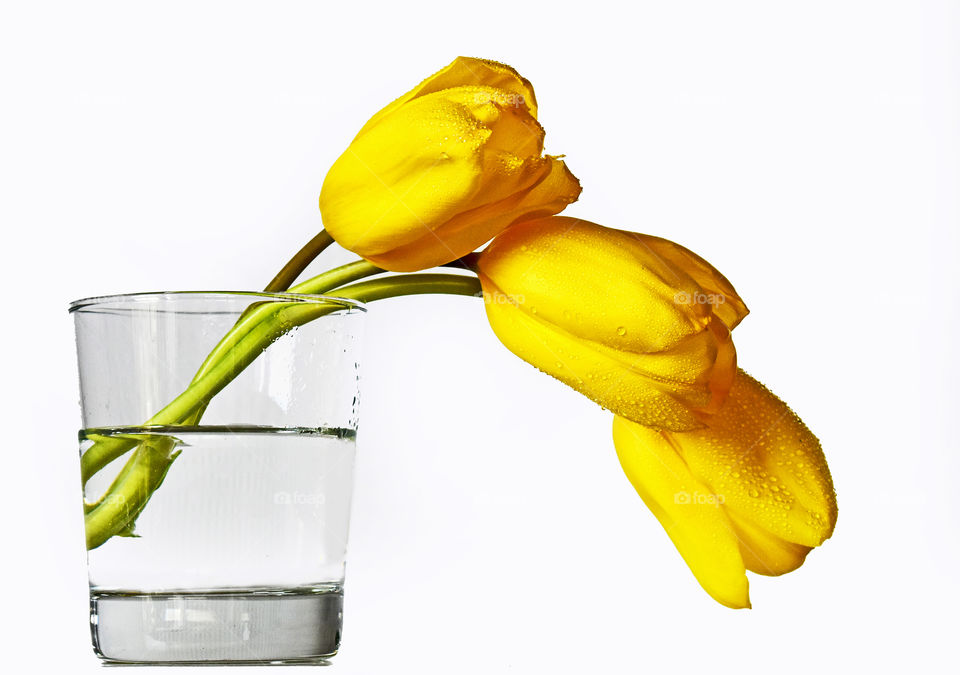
{"points": [[255, 314], [294, 268], [147, 467]]}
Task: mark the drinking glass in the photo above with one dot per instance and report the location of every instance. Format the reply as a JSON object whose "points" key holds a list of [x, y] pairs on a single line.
{"points": [[217, 449]]}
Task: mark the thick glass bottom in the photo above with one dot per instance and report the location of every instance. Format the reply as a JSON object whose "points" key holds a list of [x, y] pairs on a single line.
{"points": [[230, 626]]}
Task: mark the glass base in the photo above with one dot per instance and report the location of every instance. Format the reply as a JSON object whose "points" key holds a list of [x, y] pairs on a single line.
{"points": [[230, 626]]}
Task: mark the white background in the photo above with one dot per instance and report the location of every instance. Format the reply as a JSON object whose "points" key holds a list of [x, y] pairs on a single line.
{"points": [[810, 150]]}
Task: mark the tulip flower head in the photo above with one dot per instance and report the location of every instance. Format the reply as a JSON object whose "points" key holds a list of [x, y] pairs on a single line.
{"points": [[749, 491], [443, 169], [636, 323]]}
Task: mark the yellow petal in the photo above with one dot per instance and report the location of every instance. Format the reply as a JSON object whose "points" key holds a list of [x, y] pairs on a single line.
{"points": [[511, 154], [766, 553], [466, 71], [440, 176], [688, 511], [555, 188], [624, 384], [415, 169], [766, 463], [573, 271], [715, 289], [767, 468]]}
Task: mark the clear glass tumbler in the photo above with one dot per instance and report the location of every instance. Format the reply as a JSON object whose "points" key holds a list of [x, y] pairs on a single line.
{"points": [[216, 453]]}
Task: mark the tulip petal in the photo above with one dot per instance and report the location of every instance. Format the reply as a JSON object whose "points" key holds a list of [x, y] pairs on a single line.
{"points": [[629, 385], [769, 470], [762, 464], [414, 169], [717, 290], [440, 176], [600, 313], [511, 154], [573, 270], [765, 553], [467, 71], [688, 511], [554, 189], [766, 463]]}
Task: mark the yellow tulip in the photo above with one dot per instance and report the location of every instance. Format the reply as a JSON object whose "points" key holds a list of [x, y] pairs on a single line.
{"points": [[750, 491], [443, 169], [636, 323]]}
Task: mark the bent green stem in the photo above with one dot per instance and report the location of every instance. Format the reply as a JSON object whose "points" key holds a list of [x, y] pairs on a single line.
{"points": [[145, 470], [295, 266]]}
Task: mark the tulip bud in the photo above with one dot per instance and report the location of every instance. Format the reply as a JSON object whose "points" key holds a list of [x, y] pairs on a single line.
{"points": [[443, 169], [637, 324], [750, 491]]}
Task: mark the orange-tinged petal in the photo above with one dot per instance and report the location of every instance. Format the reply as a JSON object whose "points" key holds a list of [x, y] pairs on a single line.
{"points": [[688, 511]]}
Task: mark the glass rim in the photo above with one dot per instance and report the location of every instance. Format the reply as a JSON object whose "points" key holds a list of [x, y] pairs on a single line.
{"points": [[129, 298]]}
